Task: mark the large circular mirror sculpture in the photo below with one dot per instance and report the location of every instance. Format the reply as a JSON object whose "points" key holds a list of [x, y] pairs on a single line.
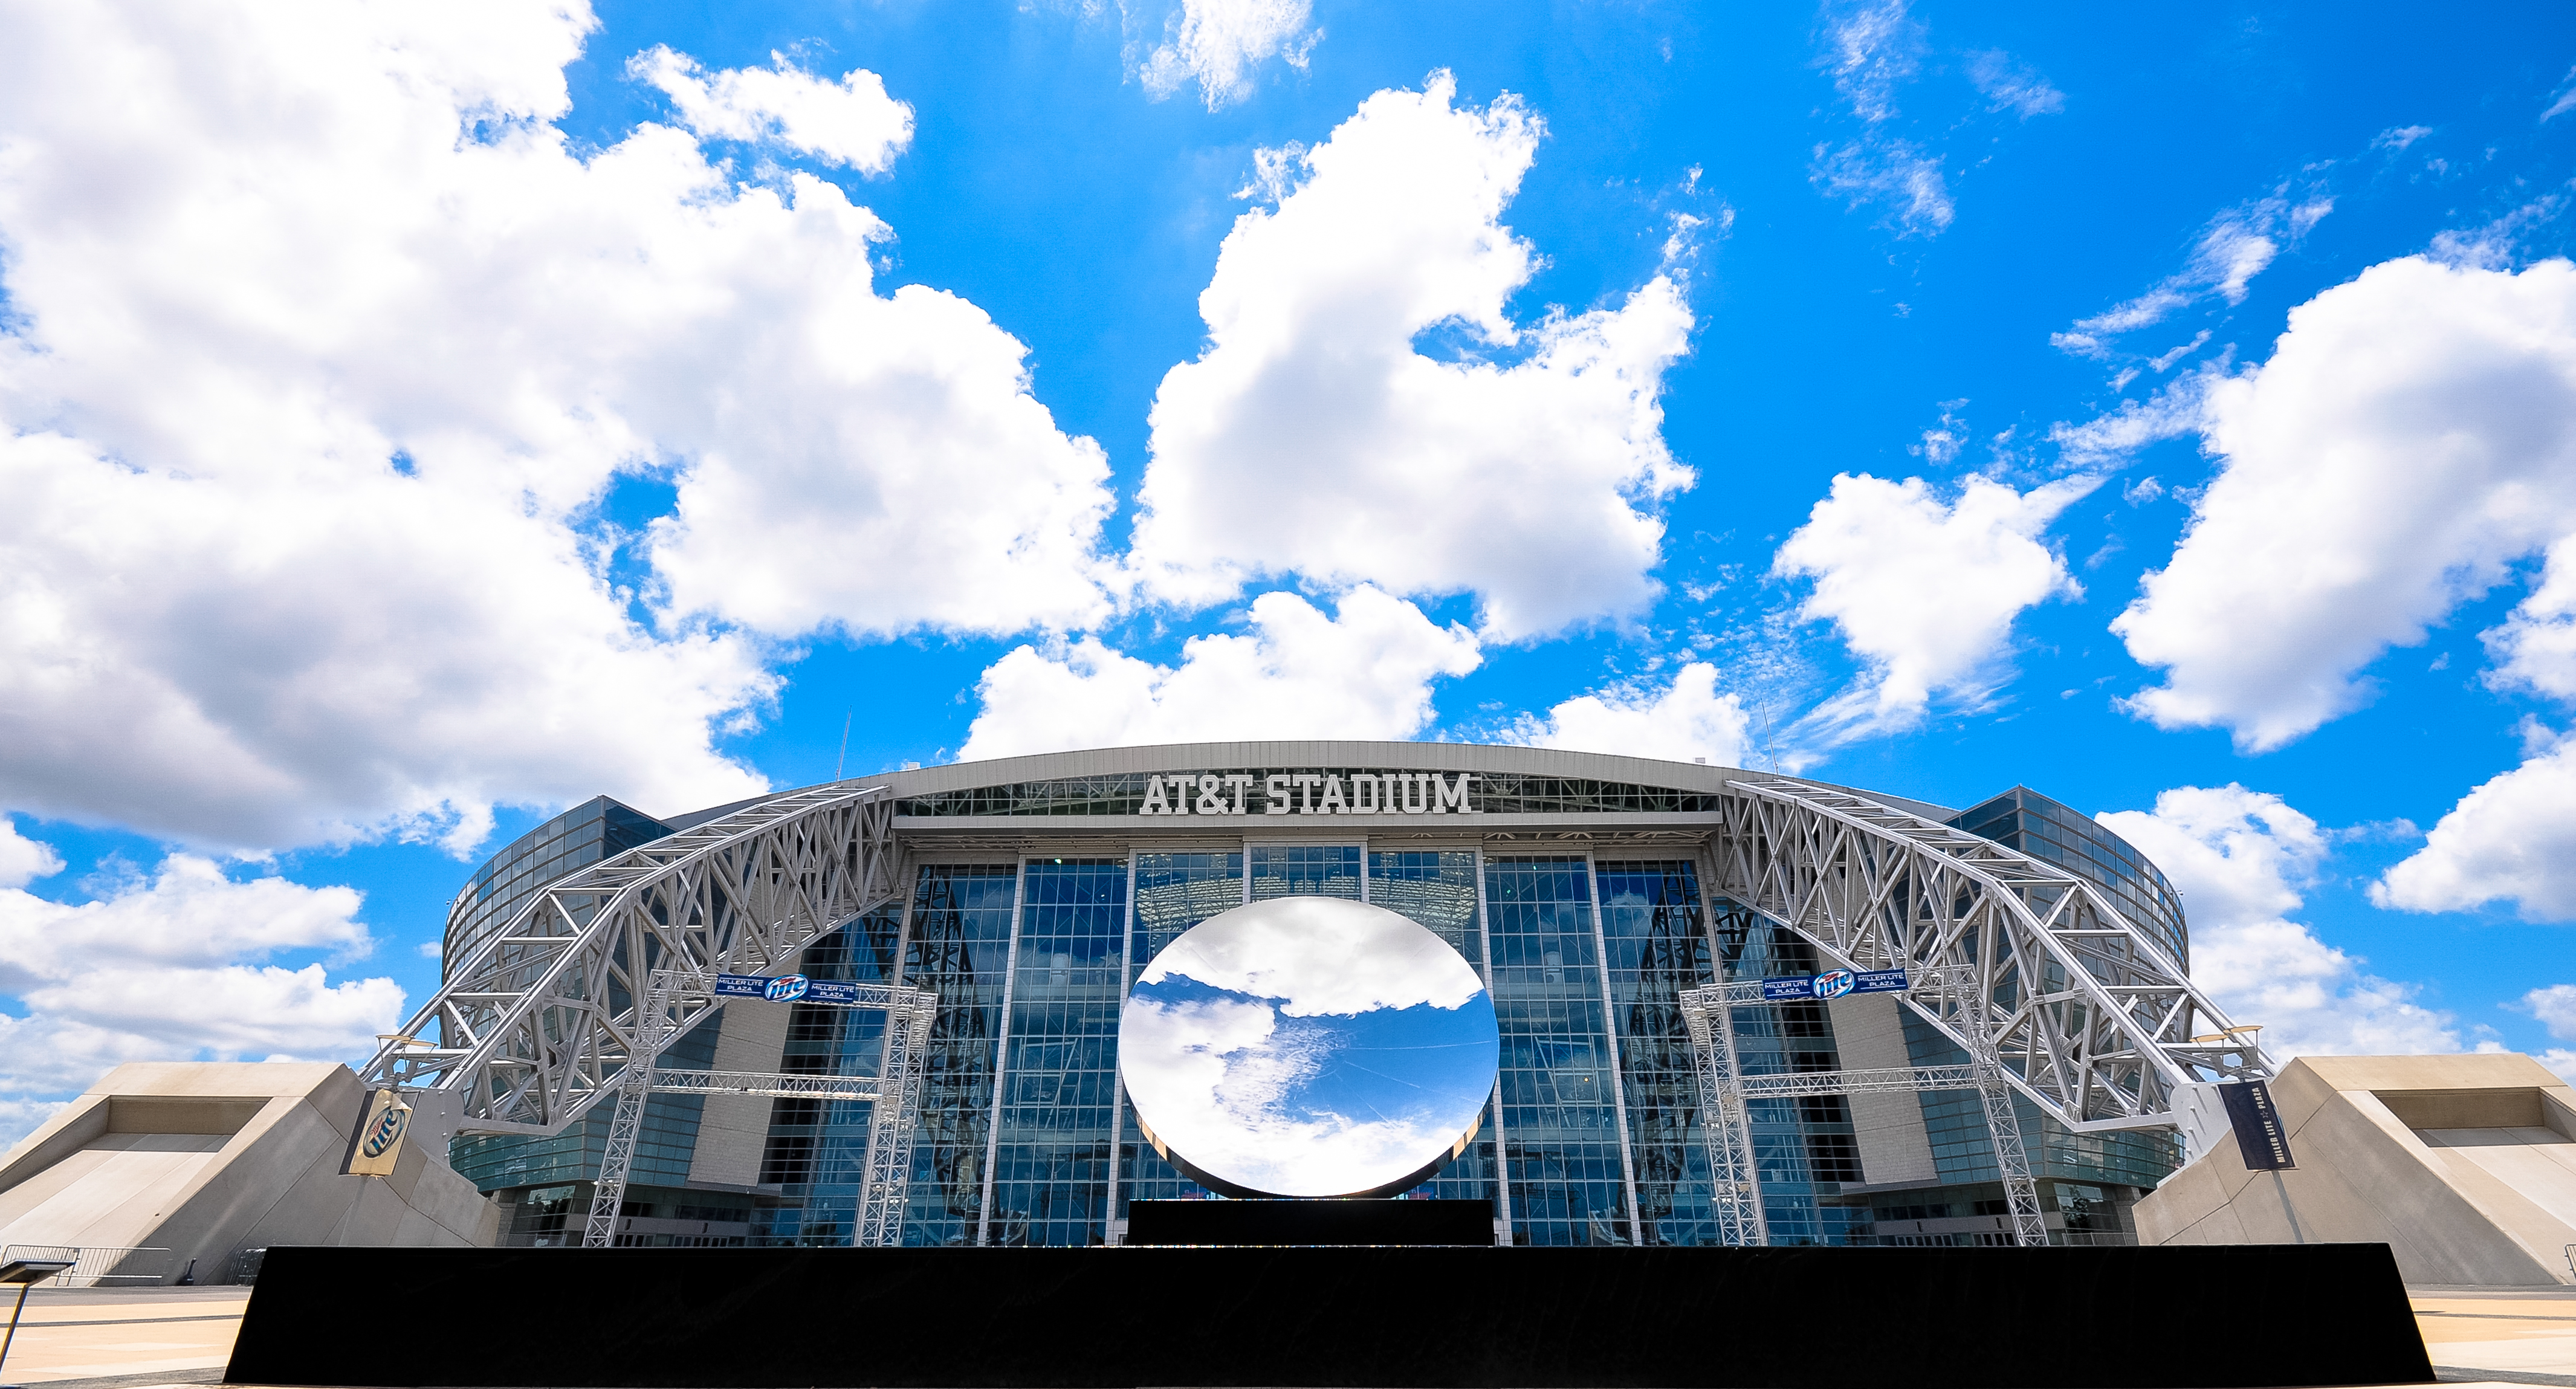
{"points": [[1308, 1046]]}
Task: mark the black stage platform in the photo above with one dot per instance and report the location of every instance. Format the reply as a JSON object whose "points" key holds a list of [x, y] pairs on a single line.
{"points": [[1361, 1317], [1311, 1222]]}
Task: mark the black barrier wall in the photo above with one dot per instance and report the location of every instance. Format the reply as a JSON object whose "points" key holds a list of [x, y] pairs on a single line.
{"points": [[1311, 1222], [1384, 1318]]}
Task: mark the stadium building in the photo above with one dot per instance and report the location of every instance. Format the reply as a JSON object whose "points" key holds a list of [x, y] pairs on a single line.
{"points": [[1593, 894]]}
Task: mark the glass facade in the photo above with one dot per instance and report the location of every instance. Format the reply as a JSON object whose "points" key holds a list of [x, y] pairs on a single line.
{"points": [[1059, 1105], [1564, 1153], [1174, 892], [593, 830], [1804, 1147], [2025, 820], [1305, 870], [1595, 1134], [662, 1146], [1656, 939], [817, 1149], [958, 946]]}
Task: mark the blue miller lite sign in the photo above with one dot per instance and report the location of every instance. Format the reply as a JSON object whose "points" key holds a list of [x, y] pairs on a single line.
{"points": [[1833, 983], [789, 988]]}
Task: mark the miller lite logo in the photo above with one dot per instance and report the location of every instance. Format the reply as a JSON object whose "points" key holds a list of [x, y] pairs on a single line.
{"points": [[1834, 983], [785, 988], [380, 1134], [386, 1131]]}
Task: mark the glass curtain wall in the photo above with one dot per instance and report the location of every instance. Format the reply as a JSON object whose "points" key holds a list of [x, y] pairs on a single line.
{"points": [[1657, 940], [1560, 1117], [958, 946], [1174, 892], [1963, 1147], [1437, 891], [1056, 1128], [1305, 870], [1801, 1142], [817, 1149]]}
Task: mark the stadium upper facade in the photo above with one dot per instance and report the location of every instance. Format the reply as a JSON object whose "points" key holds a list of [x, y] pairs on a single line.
{"points": [[1602, 899]]}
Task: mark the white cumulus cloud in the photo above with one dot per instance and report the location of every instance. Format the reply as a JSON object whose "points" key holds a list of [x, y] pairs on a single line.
{"points": [[2535, 646], [1686, 719], [1925, 590], [1365, 673], [2555, 1006], [23, 860], [2413, 433], [2510, 839], [2240, 859], [850, 122], [1218, 44], [177, 967], [325, 350], [1316, 436]]}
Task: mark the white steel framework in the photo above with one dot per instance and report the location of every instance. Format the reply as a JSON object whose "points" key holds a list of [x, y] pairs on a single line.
{"points": [[2012, 958], [546, 1015], [2029, 967], [1725, 1123], [895, 1091]]}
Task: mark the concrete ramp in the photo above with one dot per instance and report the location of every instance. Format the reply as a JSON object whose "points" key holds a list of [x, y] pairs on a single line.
{"points": [[2465, 1166], [205, 1160]]}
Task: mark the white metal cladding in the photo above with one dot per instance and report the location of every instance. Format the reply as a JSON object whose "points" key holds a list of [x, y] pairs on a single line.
{"points": [[2084, 1011], [543, 1018]]}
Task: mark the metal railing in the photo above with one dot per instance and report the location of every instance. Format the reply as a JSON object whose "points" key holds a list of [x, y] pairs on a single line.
{"points": [[93, 1265]]}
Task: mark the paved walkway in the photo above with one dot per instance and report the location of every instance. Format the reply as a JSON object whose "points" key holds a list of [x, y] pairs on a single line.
{"points": [[102, 1338], [2499, 1335]]}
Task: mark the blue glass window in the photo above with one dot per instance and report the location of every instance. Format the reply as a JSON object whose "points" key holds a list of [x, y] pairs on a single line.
{"points": [[1653, 928], [1560, 1119], [1174, 892], [958, 946], [1059, 1084], [1305, 870]]}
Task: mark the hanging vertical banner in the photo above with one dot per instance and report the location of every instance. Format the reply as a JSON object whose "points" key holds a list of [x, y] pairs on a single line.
{"points": [[380, 1136], [2259, 1135]]}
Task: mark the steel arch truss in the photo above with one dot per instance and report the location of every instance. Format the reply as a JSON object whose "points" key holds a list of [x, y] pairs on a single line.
{"points": [[894, 1093], [1727, 1124], [2011, 957], [546, 1015]]}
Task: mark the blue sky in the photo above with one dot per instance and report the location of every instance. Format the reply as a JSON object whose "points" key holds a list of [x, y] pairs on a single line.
{"points": [[420, 419]]}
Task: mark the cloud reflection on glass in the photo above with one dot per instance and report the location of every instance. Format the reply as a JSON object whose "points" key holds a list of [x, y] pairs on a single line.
{"points": [[1308, 1046]]}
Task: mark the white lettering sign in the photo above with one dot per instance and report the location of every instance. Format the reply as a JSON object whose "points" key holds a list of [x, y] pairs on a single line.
{"points": [[1307, 793]]}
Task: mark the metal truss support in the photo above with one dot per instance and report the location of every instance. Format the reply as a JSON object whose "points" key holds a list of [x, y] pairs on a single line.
{"points": [[1735, 1189], [608, 1194], [888, 1159], [542, 1019], [2082, 1010], [1707, 1012], [2012, 1160]]}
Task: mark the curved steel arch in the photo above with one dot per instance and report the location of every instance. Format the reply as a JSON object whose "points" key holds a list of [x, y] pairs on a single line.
{"points": [[546, 1015], [2011, 957]]}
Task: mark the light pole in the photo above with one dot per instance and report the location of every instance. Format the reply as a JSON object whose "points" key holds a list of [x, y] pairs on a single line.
{"points": [[26, 1273]]}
